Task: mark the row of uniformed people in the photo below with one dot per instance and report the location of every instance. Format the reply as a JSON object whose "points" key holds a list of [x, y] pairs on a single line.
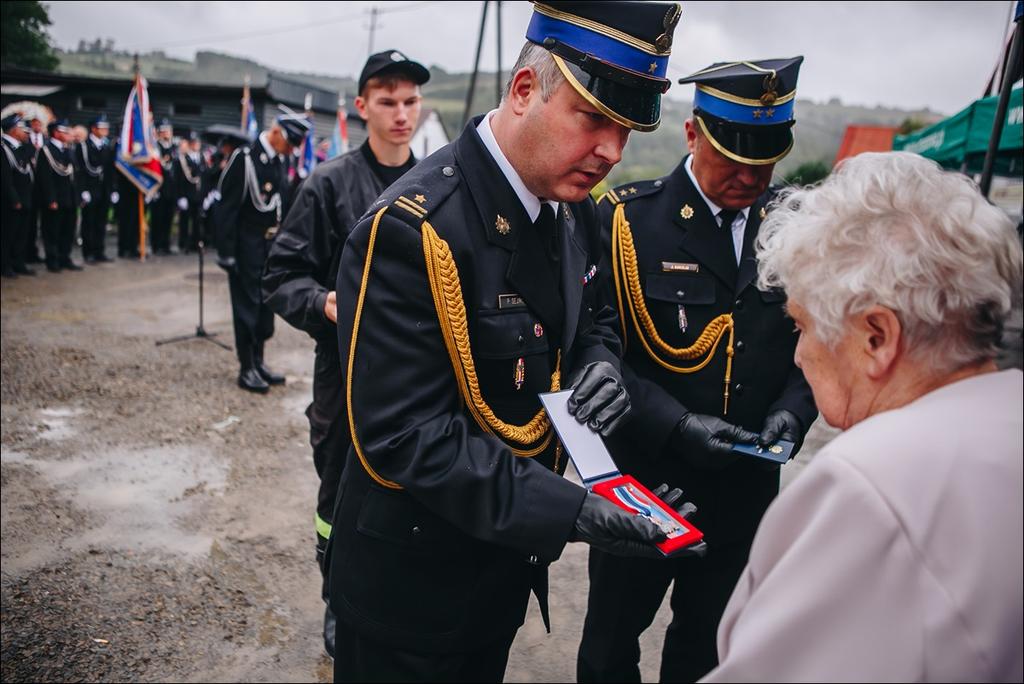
{"points": [[486, 275], [52, 180]]}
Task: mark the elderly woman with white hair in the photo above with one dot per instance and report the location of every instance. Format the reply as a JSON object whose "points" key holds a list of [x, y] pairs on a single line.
{"points": [[897, 554]]}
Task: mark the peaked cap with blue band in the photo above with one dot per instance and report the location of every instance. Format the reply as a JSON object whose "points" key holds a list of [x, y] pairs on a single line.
{"points": [[746, 108], [614, 54], [294, 125]]}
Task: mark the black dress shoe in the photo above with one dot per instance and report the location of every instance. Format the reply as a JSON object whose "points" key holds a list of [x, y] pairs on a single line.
{"points": [[90, 260], [53, 268], [103, 258], [330, 627], [268, 375], [8, 273], [34, 259], [24, 270], [70, 265], [249, 379]]}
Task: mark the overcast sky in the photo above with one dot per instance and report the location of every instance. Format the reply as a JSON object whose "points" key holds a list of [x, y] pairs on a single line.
{"points": [[904, 54]]}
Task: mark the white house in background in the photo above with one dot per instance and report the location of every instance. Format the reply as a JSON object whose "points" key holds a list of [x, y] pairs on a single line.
{"points": [[430, 134]]}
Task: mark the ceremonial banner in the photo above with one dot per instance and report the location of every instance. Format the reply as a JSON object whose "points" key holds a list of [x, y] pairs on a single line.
{"points": [[339, 139], [136, 156]]}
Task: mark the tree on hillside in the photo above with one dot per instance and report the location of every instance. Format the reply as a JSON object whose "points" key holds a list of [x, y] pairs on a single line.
{"points": [[807, 173], [910, 125], [25, 41]]}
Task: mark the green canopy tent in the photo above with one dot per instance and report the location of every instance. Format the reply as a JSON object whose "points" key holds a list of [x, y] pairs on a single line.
{"points": [[960, 142]]}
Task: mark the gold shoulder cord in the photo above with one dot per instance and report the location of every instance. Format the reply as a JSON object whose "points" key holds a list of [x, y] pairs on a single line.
{"points": [[627, 285], [451, 314]]}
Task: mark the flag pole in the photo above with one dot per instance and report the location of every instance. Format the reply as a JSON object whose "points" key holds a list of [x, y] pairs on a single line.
{"points": [[142, 210]]}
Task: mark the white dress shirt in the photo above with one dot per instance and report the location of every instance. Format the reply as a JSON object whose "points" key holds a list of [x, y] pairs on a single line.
{"points": [[530, 201]]}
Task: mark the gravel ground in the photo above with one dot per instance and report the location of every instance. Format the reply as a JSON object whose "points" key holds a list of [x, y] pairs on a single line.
{"points": [[156, 520]]}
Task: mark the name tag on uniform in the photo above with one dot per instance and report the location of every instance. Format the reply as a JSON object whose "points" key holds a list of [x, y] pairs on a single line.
{"points": [[679, 267], [510, 301]]}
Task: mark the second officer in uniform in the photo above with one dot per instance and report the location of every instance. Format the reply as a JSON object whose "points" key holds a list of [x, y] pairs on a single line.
{"points": [[684, 272]]}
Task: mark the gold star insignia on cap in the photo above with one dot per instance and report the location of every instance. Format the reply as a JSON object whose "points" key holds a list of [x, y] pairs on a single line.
{"points": [[420, 198], [770, 112], [502, 225], [632, 191], [757, 113], [762, 213], [686, 212], [653, 67]]}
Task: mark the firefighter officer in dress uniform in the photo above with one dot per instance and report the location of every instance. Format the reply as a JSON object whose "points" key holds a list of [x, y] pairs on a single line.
{"points": [[93, 161], [469, 287], [55, 176], [252, 189], [188, 174], [684, 270], [18, 179], [163, 205]]}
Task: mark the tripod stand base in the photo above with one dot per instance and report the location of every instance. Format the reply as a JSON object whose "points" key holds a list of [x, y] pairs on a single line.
{"points": [[200, 333]]}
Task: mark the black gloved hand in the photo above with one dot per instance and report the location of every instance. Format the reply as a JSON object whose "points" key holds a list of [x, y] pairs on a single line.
{"points": [[781, 424], [706, 441], [685, 509], [599, 397], [613, 530]]}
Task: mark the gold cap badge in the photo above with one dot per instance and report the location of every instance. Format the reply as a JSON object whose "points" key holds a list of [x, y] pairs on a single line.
{"points": [[502, 225], [686, 212]]}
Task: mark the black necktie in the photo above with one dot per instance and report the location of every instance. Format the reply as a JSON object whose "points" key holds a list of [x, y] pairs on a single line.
{"points": [[728, 216], [546, 227]]}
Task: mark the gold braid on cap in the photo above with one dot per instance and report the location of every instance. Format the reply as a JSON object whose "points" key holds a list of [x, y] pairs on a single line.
{"points": [[451, 314], [626, 274]]}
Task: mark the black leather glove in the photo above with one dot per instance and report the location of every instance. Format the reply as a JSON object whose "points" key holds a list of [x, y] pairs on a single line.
{"points": [[613, 530], [781, 424], [706, 441], [685, 509], [599, 397]]}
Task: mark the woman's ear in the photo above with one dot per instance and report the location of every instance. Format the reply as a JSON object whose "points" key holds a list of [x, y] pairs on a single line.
{"points": [[880, 331]]}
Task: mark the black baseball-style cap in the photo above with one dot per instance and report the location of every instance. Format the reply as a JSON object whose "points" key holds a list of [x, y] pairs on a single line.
{"points": [[390, 61]]}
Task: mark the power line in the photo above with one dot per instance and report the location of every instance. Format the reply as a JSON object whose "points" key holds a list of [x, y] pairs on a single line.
{"points": [[223, 38]]}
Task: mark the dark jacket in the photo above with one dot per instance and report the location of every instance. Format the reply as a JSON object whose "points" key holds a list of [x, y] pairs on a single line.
{"points": [[441, 529], [303, 263], [686, 260], [92, 169], [188, 175], [54, 181], [18, 176]]}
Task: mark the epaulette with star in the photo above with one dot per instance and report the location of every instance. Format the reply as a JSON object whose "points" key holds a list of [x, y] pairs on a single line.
{"points": [[631, 191], [418, 200]]}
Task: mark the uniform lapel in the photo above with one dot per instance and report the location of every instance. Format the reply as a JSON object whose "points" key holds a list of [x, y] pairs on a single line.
{"points": [[748, 260], [573, 266], [709, 243]]}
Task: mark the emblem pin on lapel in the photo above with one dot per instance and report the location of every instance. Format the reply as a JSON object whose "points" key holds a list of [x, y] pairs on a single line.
{"points": [[520, 376], [502, 225], [686, 212], [762, 213]]}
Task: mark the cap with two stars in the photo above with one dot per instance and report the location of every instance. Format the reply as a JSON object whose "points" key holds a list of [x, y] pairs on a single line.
{"points": [[746, 108], [12, 121], [100, 121], [165, 125], [614, 54], [294, 125], [58, 125], [392, 61]]}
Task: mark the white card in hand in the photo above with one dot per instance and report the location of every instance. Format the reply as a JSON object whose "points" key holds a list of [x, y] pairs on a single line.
{"points": [[584, 446]]}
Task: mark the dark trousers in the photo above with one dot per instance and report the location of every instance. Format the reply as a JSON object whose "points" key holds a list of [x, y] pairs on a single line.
{"points": [[94, 228], [33, 221], [625, 594], [12, 249], [358, 659], [188, 228], [162, 214], [253, 320], [328, 427], [128, 223], [58, 235]]}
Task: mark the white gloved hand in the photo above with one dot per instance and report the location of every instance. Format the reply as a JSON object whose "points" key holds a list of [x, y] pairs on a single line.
{"points": [[114, 197], [86, 197], [183, 203]]}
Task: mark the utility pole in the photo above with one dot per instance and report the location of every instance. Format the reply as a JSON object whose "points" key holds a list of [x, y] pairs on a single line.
{"points": [[476, 65], [497, 75], [373, 27]]}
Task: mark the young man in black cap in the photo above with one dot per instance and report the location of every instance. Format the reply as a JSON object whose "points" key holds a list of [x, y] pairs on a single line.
{"points": [[93, 162], [302, 268], [469, 287], [252, 188], [685, 272], [55, 174], [18, 177]]}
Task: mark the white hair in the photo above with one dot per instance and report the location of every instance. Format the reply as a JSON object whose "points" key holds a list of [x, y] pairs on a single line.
{"points": [[893, 229], [536, 57]]}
